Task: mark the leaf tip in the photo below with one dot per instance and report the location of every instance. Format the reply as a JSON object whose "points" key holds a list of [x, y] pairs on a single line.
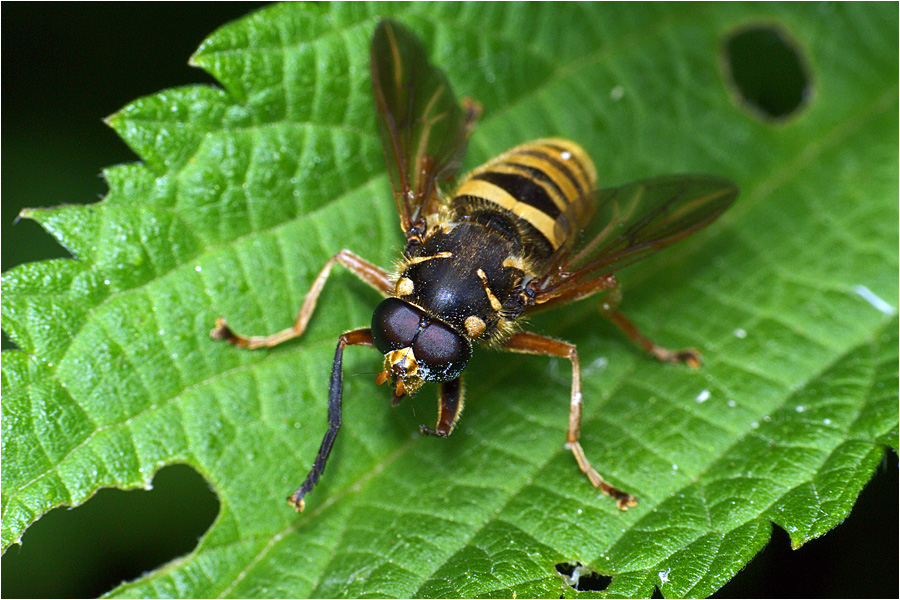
{"points": [[196, 59], [26, 213], [114, 120]]}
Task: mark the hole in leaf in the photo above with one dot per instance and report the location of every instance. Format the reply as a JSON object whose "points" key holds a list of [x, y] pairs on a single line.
{"points": [[582, 578], [115, 536], [767, 71]]}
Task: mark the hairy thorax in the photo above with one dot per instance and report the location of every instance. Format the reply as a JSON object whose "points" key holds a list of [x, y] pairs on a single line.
{"points": [[468, 274]]}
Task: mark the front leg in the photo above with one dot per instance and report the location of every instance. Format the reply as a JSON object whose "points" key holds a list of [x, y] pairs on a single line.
{"points": [[374, 275], [450, 405], [532, 343], [357, 337]]}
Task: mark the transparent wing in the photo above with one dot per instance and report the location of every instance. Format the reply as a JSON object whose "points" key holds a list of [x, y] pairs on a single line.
{"points": [[424, 129], [634, 221]]}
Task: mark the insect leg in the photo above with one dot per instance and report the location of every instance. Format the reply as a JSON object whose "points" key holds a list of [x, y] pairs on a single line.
{"points": [[357, 337], [374, 275], [608, 309], [574, 292], [450, 405], [532, 343]]}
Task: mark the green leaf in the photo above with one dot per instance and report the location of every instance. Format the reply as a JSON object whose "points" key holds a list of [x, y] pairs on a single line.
{"points": [[245, 192]]}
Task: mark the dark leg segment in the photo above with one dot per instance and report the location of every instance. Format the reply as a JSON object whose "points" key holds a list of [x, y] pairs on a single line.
{"points": [[450, 405], [357, 337], [532, 343], [374, 275]]}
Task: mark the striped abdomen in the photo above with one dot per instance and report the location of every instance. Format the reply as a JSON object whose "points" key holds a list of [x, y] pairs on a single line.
{"points": [[548, 184]]}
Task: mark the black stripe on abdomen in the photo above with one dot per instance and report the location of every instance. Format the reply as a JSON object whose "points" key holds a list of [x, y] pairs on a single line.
{"points": [[523, 189], [561, 166]]}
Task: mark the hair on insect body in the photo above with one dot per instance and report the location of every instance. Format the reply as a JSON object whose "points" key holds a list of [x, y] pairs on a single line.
{"points": [[527, 231]]}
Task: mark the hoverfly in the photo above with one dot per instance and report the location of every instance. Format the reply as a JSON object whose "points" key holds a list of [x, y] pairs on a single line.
{"points": [[526, 231]]}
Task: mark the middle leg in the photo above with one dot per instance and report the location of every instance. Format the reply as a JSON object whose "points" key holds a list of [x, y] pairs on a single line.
{"points": [[532, 343], [608, 284], [609, 309]]}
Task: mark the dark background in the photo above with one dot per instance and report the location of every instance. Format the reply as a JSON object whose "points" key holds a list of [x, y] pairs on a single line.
{"points": [[65, 68]]}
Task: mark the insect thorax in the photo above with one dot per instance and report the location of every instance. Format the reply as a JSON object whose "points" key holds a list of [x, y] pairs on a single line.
{"points": [[468, 272]]}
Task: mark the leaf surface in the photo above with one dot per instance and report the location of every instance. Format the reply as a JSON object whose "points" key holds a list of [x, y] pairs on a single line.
{"points": [[243, 194]]}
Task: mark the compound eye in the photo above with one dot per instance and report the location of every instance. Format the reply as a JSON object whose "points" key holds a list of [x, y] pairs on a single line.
{"points": [[394, 325], [441, 352]]}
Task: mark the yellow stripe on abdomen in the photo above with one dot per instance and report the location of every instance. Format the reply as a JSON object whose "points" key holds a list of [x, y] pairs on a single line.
{"points": [[549, 183], [491, 192]]}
